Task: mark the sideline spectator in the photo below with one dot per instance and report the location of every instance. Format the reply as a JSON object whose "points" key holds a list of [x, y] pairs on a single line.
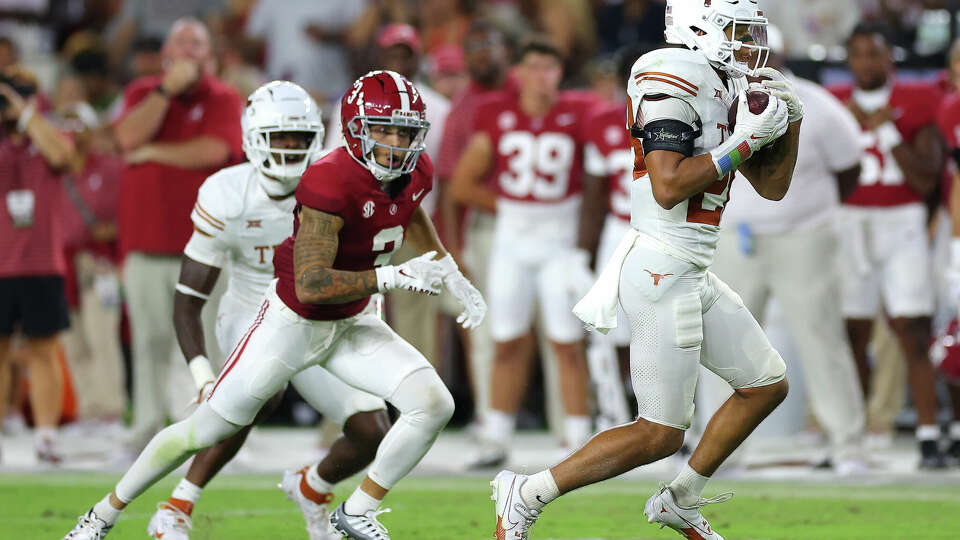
{"points": [[141, 19], [885, 252], [469, 236], [448, 72], [93, 288], [175, 129], [787, 250], [32, 152]]}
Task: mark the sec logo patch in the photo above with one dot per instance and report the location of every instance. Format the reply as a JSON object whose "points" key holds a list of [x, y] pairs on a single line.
{"points": [[368, 208]]}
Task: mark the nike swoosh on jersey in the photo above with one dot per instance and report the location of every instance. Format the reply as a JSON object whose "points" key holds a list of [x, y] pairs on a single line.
{"points": [[417, 194]]}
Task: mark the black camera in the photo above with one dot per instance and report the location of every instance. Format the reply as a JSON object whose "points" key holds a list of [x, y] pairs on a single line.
{"points": [[24, 88]]}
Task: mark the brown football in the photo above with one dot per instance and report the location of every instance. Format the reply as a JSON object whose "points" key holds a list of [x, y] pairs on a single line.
{"points": [[756, 98]]}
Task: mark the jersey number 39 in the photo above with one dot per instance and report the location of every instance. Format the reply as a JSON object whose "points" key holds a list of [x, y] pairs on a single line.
{"points": [[539, 165]]}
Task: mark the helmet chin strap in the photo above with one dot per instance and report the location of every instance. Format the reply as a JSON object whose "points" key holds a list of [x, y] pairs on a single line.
{"points": [[277, 187]]}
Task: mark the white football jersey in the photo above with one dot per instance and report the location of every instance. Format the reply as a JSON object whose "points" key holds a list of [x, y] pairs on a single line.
{"points": [[238, 224], [680, 84]]}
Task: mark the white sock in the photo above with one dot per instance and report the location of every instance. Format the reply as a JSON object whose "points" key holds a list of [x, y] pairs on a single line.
{"points": [[44, 435], [105, 511], [576, 430], [499, 426], [955, 430], [539, 489], [187, 491], [687, 486], [928, 433], [360, 502], [316, 483]]}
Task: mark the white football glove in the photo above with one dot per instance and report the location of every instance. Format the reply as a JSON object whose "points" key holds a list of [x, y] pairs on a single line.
{"points": [[474, 307], [781, 87], [752, 132], [580, 278], [759, 130], [420, 274]]}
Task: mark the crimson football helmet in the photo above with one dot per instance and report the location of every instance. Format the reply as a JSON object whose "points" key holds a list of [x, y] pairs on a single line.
{"points": [[945, 352], [383, 98]]}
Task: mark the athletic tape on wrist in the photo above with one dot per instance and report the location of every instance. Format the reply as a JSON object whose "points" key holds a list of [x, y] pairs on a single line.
{"points": [[201, 371], [729, 155], [189, 291], [385, 278]]}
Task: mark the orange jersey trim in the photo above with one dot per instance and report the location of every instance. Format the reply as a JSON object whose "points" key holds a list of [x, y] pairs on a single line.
{"points": [[668, 75], [214, 222], [668, 81]]}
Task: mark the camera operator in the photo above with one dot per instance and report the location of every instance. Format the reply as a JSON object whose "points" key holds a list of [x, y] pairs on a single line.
{"points": [[32, 266]]}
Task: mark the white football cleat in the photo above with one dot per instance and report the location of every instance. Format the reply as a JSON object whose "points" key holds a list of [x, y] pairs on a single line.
{"points": [[169, 523], [514, 519], [315, 514], [662, 508], [89, 527], [365, 527]]}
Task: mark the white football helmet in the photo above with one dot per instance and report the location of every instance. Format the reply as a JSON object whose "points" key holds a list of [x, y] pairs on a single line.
{"points": [[700, 25], [280, 107]]}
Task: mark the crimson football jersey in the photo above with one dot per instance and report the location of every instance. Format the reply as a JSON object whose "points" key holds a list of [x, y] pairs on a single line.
{"points": [[373, 223], [882, 182], [948, 120], [536, 159], [610, 156]]}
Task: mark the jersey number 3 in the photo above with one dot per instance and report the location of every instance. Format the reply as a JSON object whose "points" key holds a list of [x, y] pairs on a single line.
{"points": [[707, 207]]}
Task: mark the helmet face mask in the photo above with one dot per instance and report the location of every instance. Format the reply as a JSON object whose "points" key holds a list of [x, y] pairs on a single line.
{"points": [[394, 161], [731, 35], [274, 112], [384, 124]]}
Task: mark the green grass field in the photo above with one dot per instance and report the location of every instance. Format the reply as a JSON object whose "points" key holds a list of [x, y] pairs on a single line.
{"points": [[45, 506]]}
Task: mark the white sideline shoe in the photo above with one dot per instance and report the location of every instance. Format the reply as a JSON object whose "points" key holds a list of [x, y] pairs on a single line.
{"points": [[662, 508]]}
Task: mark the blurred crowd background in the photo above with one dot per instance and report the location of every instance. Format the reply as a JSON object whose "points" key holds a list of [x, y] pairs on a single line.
{"points": [[77, 57]]}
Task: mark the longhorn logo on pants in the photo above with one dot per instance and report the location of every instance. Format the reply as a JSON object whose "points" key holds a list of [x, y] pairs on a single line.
{"points": [[656, 277]]}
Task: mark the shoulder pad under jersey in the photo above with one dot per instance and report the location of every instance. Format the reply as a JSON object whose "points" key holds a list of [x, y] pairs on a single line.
{"points": [[221, 197], [673, 72]]}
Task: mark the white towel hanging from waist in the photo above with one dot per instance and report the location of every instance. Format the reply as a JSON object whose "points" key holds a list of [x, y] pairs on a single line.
{"points": [[598, 309]]}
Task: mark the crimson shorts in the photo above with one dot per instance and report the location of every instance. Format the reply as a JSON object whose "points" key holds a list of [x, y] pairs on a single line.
{"points": [[37, 305]]}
